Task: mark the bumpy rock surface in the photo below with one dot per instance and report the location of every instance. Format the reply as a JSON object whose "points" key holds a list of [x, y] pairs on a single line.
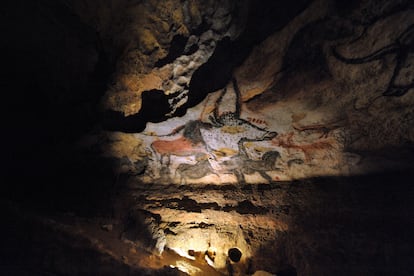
{"points": [[159, 44], [329, 93], [322, 93], [234, 138]]}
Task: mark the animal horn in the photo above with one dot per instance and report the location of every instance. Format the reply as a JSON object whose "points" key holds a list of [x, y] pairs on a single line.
{"points": [[238, 97]]}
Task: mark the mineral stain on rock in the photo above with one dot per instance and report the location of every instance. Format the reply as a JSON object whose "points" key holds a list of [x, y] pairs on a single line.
{"points": [[207, 137]]}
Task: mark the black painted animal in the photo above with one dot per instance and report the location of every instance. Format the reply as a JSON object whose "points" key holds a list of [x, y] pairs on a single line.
{"points": [[194, 171], [240, 165], [402, 47], [199, 137], [245, 131]]}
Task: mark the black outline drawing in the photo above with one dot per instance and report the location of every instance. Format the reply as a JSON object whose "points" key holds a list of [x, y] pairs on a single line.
{"points": [[402, 47], [191, 134]]}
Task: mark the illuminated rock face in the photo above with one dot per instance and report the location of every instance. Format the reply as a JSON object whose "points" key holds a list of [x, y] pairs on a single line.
{"points": [[237, 131], [329, 93], [310, 100], [159, 44]]}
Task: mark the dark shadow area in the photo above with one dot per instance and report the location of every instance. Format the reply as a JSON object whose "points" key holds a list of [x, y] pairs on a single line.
{"points": [[300, 59], [264, 18], [287, 271], [177, 48], [305, 61], [34, 246], [154, 106], [54, 72], [140, 226], [358, 225]]}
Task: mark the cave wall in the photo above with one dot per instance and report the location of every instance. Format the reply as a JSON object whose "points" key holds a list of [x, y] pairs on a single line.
{"points": [[196, 127], [328, 93], [158, 45]]}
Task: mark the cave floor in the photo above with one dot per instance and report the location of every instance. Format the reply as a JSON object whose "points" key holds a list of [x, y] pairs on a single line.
{"points": [[360, 225]]}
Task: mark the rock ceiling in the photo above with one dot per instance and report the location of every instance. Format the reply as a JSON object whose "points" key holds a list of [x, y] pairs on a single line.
{"points": [[219, 115], [305, 102]]}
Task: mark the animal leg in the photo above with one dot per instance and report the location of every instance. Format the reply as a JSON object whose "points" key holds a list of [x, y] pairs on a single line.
{"points": [[158, 156], [168, 160], [396, 90], [182, 180], [266, 176], [240, 176], [165, 160], [242, 149]]}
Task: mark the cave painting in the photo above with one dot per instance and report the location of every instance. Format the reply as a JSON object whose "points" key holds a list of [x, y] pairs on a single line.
{"points": [[213, 147], [222, 140], [229, 131], [220, 146], [403, 49], [322, 145], [190, 143], [240, 165], [200, 169]]}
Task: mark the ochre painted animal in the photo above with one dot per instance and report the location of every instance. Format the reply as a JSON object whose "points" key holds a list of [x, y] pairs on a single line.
{"points": [[308, 149], [179, 147]]}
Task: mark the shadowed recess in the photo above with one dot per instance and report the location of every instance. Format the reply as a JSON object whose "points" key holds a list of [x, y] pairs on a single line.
{"points": [[264, 18]]}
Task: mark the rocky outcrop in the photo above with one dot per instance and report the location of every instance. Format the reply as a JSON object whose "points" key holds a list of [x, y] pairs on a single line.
{"points": [[326, 94], [324, 84], [159, 45], [233, 138]]}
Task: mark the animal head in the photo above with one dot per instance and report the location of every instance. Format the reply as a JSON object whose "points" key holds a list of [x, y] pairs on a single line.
{"points": [[230, 121], [254, 132]]}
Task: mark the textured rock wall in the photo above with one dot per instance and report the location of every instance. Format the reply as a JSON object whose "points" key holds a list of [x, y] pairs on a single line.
{"points": [[227, 127], [312, 99], [159, 44], [326, 93]]}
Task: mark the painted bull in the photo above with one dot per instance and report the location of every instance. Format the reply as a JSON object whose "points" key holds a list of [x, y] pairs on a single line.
{"points": [[200, 139], [189, 143], [229, 130]]}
